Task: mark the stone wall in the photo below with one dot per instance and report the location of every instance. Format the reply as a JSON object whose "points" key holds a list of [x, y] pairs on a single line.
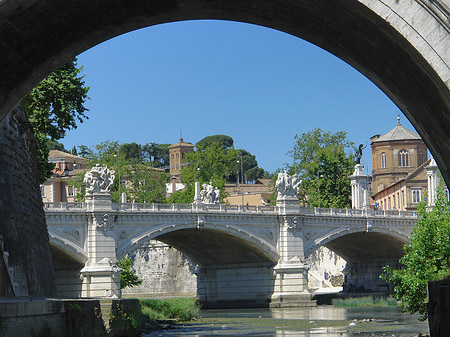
{"points": [[325, 269], [22, 218], [167, 272], [164, 271]]}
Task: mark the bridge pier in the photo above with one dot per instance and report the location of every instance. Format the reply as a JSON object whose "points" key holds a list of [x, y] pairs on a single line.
{"points": [[101, 274], [291, 283]]}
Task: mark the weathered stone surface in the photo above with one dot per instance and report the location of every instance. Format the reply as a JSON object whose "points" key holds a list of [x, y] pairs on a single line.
{"points": [[22, 218], [164, 270]]}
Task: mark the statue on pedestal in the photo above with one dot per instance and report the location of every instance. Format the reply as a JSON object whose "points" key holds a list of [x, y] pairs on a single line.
{"points": [[359, 152], [209, 195], [98, 180], [287, 186]]}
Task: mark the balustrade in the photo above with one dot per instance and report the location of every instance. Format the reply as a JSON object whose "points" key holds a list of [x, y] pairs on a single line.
{"points": [[222, 208]]}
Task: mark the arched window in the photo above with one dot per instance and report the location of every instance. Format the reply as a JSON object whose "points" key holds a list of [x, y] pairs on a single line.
{"points": [[383, 160], [403, 158]]}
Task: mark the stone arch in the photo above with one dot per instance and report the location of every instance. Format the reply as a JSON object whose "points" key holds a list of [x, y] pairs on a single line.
{"points": [[67, 260], [395, 237], [251, 247], [402, 47], [69, 248]]}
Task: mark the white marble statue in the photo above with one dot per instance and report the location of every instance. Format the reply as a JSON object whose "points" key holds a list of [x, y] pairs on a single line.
{"points": [[98, 180], [288, 186], [209, 195]]}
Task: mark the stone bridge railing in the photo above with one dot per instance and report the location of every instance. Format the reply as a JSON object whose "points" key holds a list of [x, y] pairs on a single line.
{"points": [[193, 208]]}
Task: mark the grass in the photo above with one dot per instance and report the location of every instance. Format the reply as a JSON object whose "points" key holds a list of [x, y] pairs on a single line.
{"points": [[366, 301], [183, 309]]}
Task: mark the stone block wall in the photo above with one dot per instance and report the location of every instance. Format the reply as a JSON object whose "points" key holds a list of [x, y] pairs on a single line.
{"points": [[22, 218], [325, 267], [164, 271]]}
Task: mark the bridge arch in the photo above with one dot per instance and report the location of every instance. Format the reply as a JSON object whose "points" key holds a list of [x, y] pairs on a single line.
{"points": [[401, 47], [67, 260], [208, 244], [361, 244], [68, 248]]}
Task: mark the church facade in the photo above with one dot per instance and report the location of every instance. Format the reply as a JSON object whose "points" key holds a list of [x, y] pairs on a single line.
{"points": [[399, 175]]}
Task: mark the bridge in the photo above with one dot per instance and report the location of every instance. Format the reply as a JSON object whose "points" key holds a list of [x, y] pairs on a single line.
{"points": [[401, 46], [247, 255]]}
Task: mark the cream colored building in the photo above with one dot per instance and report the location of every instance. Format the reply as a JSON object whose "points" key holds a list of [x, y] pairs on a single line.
{"points": [[60, 186], [399, 178], [257, 194]]}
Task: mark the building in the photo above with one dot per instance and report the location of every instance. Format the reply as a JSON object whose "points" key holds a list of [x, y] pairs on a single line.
{"points": [[399, 177], [176, 156], [60, 186], [257, 194]]}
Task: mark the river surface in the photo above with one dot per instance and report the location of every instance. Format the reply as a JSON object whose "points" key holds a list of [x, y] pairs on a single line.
{"points": [[326, 321]]}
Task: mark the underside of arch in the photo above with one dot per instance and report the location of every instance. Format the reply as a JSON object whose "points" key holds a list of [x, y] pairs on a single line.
{"points": [[363, 247], [212, 247]]}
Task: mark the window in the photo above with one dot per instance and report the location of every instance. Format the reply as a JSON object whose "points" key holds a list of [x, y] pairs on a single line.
{"points": [[393, 202], [383, 160], [403, 158], [421, 158], [416, 195], [42, 191], [70, 190]]}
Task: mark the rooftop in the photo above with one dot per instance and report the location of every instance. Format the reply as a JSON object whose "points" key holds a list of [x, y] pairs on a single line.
{"points": [[399, 132]]}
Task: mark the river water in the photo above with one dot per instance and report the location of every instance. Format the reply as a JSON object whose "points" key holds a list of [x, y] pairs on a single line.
{"points": [[326, 321]]}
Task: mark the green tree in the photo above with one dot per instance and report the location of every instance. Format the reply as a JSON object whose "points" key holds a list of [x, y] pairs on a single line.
{"points": [[84, 151], [320, 160], [426, 258], [74, 151], [157, 154], [132, 151], [212, 164], [54, 106], [140, 181], [223, 141], [144, 183], [128, 277], [55, 145]]}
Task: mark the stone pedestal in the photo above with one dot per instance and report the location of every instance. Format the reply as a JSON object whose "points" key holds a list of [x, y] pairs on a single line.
{"points": [[101, 275], [98, 202], [360, 188], [291, 286], [291, 275], [101, 279], [288, 204]]}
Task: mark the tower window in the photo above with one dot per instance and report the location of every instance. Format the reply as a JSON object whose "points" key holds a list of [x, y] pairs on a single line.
{"points": [[383, 160], [403, 158]]}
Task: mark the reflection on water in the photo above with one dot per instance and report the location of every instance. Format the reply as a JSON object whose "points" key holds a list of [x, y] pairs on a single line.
{"points": [[321, 321]]}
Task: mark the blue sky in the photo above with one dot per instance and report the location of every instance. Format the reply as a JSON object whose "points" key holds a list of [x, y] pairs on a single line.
{"points": [[258, 85]]}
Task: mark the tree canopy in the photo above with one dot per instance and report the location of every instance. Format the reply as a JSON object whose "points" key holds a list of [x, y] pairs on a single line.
{"points": [[54, 106], [223, 141], [320, 160], [139, 180], [427, 257], [213, 163]]}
